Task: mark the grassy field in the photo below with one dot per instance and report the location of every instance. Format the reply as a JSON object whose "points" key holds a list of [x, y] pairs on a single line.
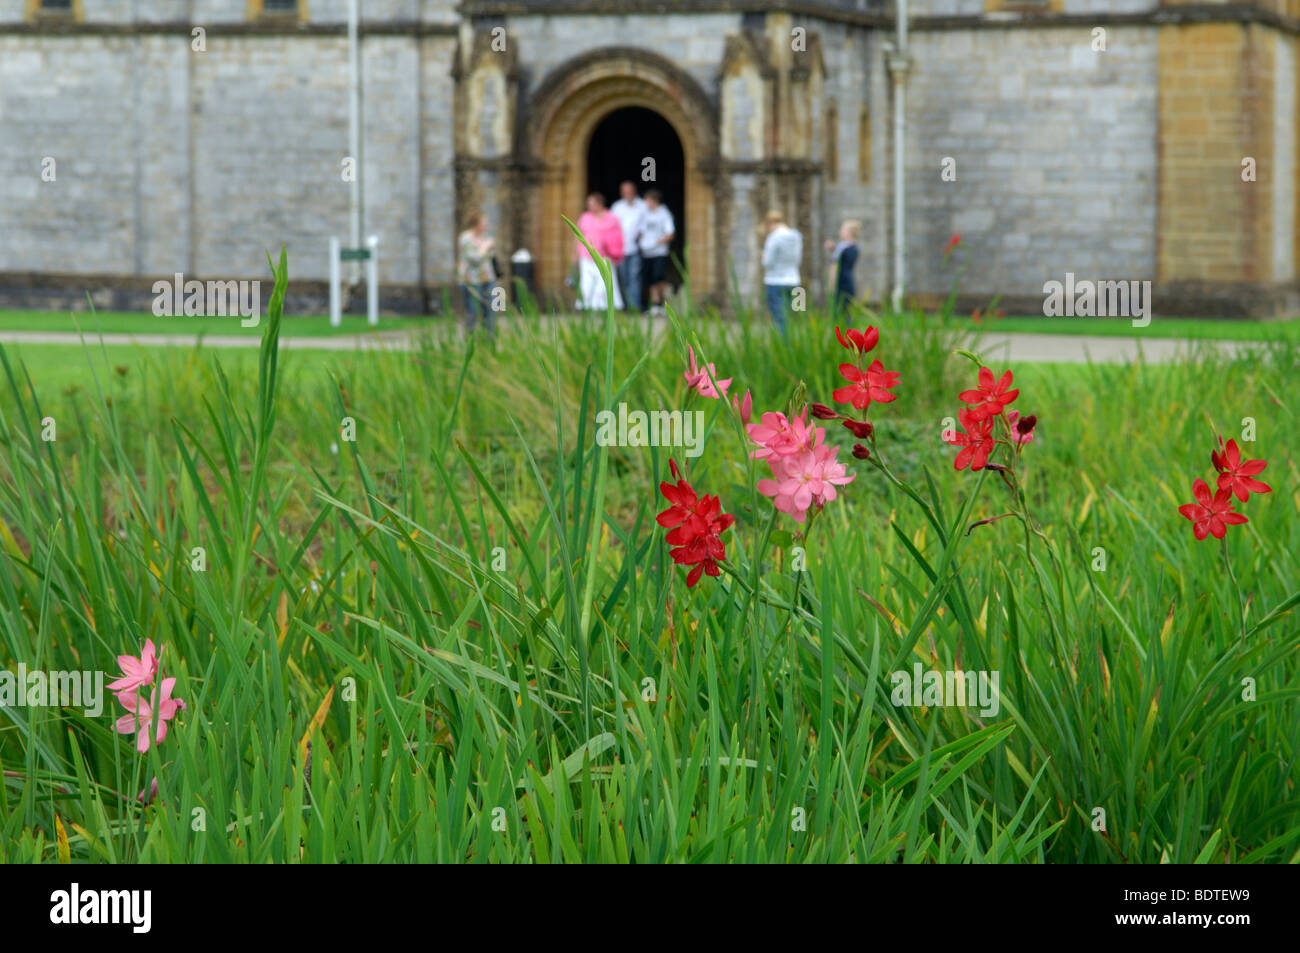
{"points": [[460, 637], [317, 326], [133, 322]]}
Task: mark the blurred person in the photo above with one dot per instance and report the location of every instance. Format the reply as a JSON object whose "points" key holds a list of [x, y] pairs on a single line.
{"points": [[601, 228], [630, 210], [844, 258], [657, 231], [475, 273], [782, 253]]}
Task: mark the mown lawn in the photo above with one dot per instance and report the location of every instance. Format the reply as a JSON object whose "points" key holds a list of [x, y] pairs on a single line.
{"points": [[132, 322], [460, 637], [116, 322]]}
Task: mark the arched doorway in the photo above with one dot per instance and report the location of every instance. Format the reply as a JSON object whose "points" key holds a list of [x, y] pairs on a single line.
{"points": [[620, 146], [564, 124]]}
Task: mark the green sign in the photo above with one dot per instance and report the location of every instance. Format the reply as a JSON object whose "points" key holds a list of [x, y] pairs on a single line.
{"points": [[354, 254]]}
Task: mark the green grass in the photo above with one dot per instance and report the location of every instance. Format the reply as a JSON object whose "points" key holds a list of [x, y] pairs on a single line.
{"points": [[578, 702], [122, 368], [319, 326], [119, 322]]}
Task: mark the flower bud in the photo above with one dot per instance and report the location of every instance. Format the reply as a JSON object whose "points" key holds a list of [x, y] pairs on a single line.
{"points": [[1025, 425], [861, 429], [861, 452], [744, 407], [822, 412]]}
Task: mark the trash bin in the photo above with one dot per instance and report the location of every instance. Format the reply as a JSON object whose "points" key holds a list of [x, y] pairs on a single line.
{"points": [[521, 270]]}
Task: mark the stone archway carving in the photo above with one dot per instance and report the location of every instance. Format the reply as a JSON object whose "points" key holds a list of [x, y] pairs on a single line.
{"points": [[558, 124]]}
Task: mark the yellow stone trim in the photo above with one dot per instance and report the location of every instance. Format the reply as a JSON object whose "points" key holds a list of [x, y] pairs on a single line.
{"points": [[1216, 108], [1024, 6], [257, 11], [564, 151], [35, 10]]}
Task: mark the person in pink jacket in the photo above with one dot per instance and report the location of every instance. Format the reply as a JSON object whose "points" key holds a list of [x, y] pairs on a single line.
{"points": [[601, 227]]}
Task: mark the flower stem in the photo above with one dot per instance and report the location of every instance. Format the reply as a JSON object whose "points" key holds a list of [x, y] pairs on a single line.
{"points": [[1236, 586]]}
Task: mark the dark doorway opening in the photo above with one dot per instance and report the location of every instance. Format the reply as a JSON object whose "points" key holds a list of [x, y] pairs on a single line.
{"points": [[620, 144]]}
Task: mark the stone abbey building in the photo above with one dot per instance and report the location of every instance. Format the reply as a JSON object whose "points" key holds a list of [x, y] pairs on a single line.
{"points": [[1108, 139]]}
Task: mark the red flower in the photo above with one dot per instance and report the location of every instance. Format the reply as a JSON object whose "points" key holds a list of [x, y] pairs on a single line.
{"points": [[865, 386], [1237, 475], [860, 341], [952, 243], [1211, 516], [697, 525], [990, 398], [976, 443]]}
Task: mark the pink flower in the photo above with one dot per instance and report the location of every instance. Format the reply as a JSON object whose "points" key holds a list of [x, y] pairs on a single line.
{"points": [[136, 672], [778, 436], [698, 378], [804, 480], [745, 407], [144, 713], [147, 796]]}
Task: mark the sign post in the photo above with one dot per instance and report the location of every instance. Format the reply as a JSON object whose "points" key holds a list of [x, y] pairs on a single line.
{"points": [[372, 280], [336, 317], [370, 255]]}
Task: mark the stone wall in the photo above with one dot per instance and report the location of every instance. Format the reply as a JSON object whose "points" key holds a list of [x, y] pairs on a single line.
{"points": [[1115, 164], [71, 102], [694, 43], [857, 85], [1227, 191], [172, 160], [1055, 155]]}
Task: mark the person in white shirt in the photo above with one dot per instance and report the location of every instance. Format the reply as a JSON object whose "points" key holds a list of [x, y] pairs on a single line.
{"points": [[630, 211], [782, 253], [657, 232]]}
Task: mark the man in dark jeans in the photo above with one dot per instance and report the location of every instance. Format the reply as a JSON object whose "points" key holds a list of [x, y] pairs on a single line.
{"points": [[630, 210], [782, 253], [845, 257], [657, 231]]}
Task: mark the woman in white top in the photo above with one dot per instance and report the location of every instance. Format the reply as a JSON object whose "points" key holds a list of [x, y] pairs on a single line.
{"points": [[782, 253]]}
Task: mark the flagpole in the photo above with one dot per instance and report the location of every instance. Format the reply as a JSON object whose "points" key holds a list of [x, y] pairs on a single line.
{"points": [[354, 139]]}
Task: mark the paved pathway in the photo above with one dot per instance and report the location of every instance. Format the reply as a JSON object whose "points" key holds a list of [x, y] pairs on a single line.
{"points": [[1011, 348], [1080, 348]]}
